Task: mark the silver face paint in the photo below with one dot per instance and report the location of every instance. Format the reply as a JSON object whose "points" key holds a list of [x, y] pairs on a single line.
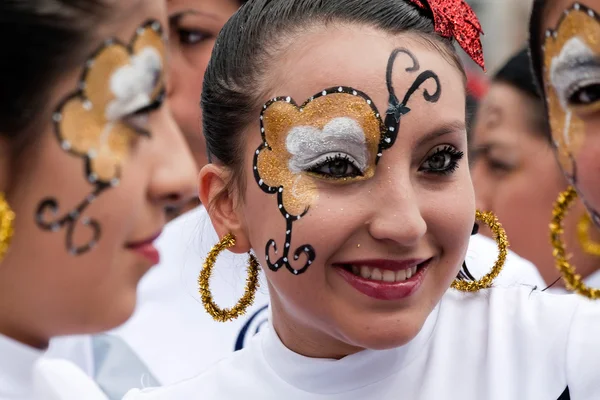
{"points": [[310, 146], [576, 67]]}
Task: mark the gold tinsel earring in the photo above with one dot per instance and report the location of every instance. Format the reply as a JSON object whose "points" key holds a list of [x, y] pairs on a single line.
{"points": [[499, 234], [572, 279], [7, 217], [583, 234], [219, 314]]}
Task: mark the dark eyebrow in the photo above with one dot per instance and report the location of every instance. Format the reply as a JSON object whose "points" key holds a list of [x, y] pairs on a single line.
{"points": [[445, 129], [175, 18]]}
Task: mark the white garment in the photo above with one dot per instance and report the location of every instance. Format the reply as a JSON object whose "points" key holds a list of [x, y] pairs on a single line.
{"points": [[500, 344], [26, 375]]}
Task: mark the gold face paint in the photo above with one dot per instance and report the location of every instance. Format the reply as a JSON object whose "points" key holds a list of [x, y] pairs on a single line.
{"points": [[338, 135], [280, 117], [572, 63], [119, 83]]}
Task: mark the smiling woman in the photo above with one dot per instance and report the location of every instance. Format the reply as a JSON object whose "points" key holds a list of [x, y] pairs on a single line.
{"points": [[336, 135], [84, 176]]}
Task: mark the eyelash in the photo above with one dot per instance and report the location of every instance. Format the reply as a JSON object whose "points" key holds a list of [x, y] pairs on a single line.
{"points": [[455, 156], [574, 94], [348, 162], [132, 120]]}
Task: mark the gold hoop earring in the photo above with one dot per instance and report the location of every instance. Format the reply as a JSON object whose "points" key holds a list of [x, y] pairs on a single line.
{"points": [[499, 233], [7, 217], [583, 234], [572, 280], [219, 314]]}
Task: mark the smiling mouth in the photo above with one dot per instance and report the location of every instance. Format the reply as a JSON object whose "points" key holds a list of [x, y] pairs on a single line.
{"points": [[376, 274]]}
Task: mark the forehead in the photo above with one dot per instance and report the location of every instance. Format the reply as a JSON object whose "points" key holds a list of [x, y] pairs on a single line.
{"points": [[347, 56], [555, 10], [127, 15]]}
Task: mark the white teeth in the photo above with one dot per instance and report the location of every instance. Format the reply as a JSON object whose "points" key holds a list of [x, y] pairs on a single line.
{"points": [[401, 275], [365, 272], [376, 274], [389, 276]]}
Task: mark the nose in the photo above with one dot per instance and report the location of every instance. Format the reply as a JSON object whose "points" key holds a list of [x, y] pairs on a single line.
{"points": [[398, 217], [174, 179]]}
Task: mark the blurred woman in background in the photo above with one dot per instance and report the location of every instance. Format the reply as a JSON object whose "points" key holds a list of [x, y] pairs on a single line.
{"points": [[515, 172]]}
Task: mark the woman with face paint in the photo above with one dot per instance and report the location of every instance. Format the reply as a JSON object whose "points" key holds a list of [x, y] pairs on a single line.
{"points": [[336, 132], [565, 53], [85, 178], [169, 331], [512, 148]]}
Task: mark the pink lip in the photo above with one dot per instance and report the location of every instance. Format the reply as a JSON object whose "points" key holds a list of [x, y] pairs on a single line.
{"points": [[146, 249], [386, 290]]}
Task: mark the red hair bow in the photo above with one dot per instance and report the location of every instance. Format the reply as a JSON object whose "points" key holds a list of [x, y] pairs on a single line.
{"points": [[456, 19]]}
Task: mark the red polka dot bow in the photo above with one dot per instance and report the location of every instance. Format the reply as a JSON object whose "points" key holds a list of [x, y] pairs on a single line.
{"points": [[456, 19]]}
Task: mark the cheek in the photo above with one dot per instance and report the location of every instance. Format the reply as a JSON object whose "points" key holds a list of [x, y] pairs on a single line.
{"points": [[588, 166]]}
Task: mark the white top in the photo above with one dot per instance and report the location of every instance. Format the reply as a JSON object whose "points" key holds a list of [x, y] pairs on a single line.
{"points": [[26, 375], [495, 345]]}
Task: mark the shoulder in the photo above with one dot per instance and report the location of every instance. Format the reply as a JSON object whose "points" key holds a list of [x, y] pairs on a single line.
{"points": [[56, 379], [531, 324], [242, 367], [519, 304], [482, 254], [583, 350]]}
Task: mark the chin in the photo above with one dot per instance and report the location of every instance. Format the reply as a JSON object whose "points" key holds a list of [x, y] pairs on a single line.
{"points": [[116, 313], [387, 333]]}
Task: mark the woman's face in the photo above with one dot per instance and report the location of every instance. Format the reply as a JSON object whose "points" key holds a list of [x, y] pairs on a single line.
{"points": [[516, 175], [360, 222], [193, 26], [91, 197], [572, 85]]}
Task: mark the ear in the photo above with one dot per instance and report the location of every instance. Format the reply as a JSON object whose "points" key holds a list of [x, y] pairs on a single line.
{"points": [[221, 198]]}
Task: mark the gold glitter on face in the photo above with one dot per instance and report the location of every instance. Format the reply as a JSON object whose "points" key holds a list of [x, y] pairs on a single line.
{"points": [[281, 117], [568, 52], [118, 81]]}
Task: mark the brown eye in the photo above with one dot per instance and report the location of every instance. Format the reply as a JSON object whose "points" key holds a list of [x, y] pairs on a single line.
{"points": [[191, 37], [337, 167], [585, 95], [443, 161]]}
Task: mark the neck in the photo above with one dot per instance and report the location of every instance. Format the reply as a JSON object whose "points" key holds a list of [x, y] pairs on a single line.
{"points": [[299, 334], [18, 322]]}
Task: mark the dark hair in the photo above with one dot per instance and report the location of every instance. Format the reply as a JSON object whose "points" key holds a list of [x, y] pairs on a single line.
{"points": [[517, 73], [233, 87], [535, 44], [41, 39]]}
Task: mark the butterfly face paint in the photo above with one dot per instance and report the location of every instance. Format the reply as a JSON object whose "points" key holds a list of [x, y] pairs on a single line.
{"points": [[338, 134], [571, 68], [97, 123]]}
